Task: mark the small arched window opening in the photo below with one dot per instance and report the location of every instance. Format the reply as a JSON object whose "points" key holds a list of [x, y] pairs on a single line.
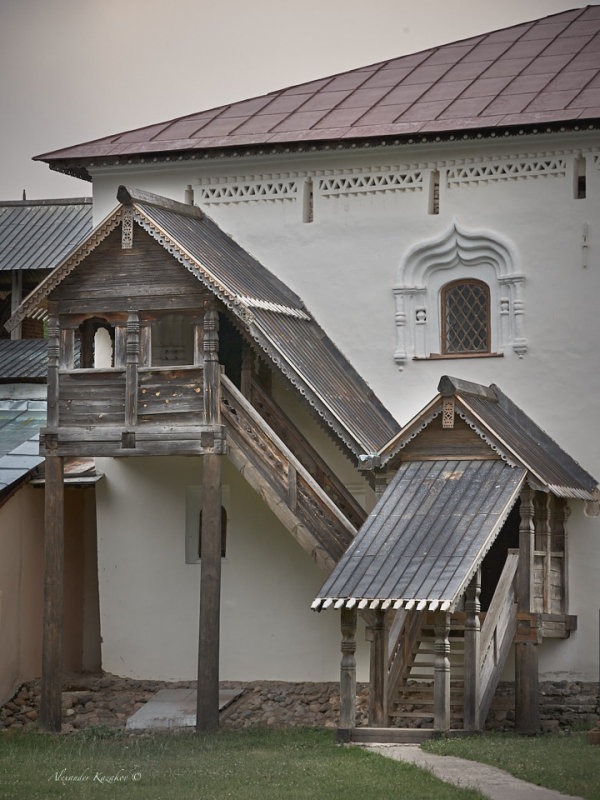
{"points": [[97, 338], [465, 313], [223, 533]]}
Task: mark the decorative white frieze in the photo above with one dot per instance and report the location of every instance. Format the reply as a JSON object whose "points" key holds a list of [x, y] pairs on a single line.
{"points": [[252, 188], [504, 170], [358, 182]]}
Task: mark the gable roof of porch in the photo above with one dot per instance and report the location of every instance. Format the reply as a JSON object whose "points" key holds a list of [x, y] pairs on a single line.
{"points": [[426, 536]]}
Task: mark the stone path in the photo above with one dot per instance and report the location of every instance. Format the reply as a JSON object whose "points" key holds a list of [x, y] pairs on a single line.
{"points": [[492, 782]]}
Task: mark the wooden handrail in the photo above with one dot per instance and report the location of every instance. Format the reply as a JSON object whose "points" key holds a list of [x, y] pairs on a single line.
{"points": [[497, 633]]}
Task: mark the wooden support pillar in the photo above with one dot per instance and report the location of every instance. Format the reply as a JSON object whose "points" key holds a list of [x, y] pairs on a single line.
{"points": [[16, 295], [378, 711], [472, 655], [52, 634], [131, 374], [527, 714], [246, 373], [207, 709], [348, 671], [441, 679]]}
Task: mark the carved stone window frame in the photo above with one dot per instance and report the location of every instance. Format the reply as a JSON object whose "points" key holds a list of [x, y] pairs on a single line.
{"points": [[458, 253]]}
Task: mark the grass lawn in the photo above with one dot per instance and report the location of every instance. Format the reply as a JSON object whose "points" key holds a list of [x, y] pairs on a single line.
{"points": [[565, 762], [256, 765]]}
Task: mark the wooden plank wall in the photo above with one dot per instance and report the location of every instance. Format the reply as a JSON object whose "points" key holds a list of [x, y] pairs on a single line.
{"points": [[139, 277]]}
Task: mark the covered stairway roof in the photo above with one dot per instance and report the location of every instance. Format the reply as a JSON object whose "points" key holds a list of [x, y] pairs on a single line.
{"points": [[272, 315], [426, 536]]}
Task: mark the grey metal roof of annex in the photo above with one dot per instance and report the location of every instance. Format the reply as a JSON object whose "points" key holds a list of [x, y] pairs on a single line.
{"points": [[38, 234], [426, 536], [22, 413], [23, 359], [539, 73]]}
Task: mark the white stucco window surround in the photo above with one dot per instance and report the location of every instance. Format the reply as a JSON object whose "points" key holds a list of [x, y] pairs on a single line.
{"points": [[457, 254]]}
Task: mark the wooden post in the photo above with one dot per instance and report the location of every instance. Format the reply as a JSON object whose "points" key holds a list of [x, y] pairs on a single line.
{"points": [[527, 714], [246, 372], [472, 655], [16, 295], [131, 375], [378, 716], [207, 708], [52, 636], [441, 680], [348, 672]]}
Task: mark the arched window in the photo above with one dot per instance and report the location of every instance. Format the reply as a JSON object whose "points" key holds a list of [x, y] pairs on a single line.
{"points": [[465, 317], [459, 294]]}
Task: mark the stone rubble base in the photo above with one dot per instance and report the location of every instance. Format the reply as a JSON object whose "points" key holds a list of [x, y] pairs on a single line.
{"points": [[108, 700]]}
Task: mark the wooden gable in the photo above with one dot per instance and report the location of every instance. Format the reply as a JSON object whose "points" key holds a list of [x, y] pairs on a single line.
{"points": [[437, 442], [112, 278]]}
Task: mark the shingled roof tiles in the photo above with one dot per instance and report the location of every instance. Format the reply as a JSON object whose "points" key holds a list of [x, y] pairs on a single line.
{"points": [[543, 71]]}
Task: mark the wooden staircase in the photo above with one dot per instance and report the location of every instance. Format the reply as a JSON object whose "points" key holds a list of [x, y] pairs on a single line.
{"points": [[412, 656], [413, 703], [304, 507]]}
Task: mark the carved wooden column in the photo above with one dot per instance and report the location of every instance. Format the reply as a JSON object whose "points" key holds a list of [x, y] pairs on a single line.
{"points": [[52, 635], [441, 680], [348, 673], [472, 655], [378, 716], [527, 716], [131, 374], [207, 709], [246, 373]]}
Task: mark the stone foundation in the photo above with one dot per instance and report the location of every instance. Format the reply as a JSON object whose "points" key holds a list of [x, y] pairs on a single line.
{"points": [[563, 705], [106, 699]]}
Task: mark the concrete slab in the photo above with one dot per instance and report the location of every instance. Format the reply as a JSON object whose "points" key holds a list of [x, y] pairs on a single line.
{"points": [[174, 708], [490, 781]]}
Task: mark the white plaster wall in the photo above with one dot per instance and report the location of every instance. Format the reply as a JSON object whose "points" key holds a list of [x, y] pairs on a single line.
{"points": [[149, 596], [345, 263]]}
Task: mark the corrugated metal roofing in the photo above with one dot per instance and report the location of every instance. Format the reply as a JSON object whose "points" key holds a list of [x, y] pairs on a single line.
{"points": [[20, 421], [22, 359], [38, 234], [426, 536], [535, 73], [507, 429], [536, 450]]}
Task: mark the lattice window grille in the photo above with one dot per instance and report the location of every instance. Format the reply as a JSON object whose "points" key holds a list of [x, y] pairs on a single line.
{"points": [[465, 324], [335, 185], [248, 191], [506, 170]]}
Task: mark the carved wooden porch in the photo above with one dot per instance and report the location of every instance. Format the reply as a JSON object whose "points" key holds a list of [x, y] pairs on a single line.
{"points": [[463, 556], [163, 338]]}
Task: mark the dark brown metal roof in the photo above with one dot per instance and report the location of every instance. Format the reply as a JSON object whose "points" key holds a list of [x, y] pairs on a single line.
{"points": [[38, 234], [426, 536], [535, 73]]}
